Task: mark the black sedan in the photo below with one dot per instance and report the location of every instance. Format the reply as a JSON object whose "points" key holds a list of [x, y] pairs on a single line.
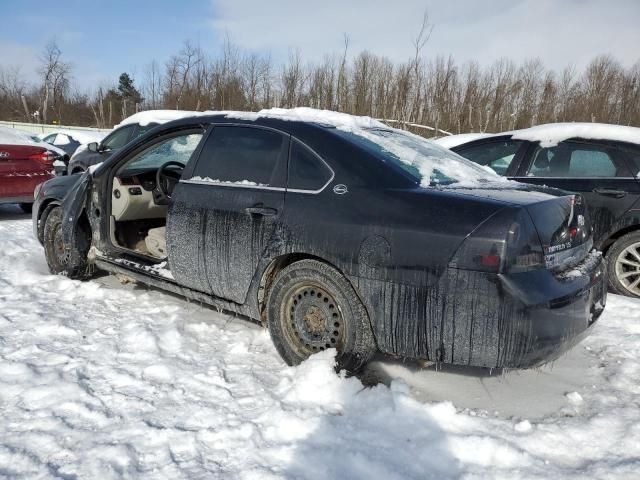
{"points": [[335, 232], [601, 162]]}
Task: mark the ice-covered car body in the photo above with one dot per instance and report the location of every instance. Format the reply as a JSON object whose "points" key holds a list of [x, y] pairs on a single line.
{"points": [[450, 264]]}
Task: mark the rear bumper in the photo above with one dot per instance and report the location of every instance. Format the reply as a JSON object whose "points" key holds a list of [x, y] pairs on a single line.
{"points": [[23, 199], [558, 311], [521, 320]]}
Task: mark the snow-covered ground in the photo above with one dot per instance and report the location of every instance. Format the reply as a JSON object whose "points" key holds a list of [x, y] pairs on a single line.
{"points": [[102, 380]]}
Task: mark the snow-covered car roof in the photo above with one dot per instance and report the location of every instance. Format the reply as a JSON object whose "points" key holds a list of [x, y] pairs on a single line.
{"points": [[551, 134], [12, 136], [455, 140], [159, 116], [419, 154], [422, 156]]}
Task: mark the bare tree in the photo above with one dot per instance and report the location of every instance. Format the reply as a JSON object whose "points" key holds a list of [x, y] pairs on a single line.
{"points": [[55, 75]]}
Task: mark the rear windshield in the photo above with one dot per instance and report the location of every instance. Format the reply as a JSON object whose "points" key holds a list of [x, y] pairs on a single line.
{"points": [[427, 163]]}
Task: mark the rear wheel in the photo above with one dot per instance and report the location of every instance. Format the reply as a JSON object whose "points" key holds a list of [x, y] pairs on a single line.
{"points": [[26, 207], [71, 261], [623, 262], [311, 307]]}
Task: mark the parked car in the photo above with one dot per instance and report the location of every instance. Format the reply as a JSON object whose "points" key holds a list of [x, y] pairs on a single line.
{"points": [[94, 152], [70, 140], [24, 163], [601, 162], [335, 231]]}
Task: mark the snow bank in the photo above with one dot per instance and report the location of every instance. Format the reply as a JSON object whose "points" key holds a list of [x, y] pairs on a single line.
{"points": [[99, 380], [11, 136], [553, 133]]}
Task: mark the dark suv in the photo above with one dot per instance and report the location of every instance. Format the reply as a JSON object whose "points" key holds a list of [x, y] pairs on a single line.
{"points": [[604, 171], [99, 152]]}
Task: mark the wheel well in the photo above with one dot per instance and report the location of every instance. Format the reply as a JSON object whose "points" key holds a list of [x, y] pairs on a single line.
{"points": [[606, 245], [77, 170], [269, 274], [285, 260]]}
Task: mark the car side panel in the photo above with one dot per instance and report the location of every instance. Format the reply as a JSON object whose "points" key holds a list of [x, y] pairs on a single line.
{"points": [[394, 246]]}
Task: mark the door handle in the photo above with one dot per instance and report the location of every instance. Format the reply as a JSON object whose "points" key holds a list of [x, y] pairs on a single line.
{"points": [[610, 192], [264, 211]]}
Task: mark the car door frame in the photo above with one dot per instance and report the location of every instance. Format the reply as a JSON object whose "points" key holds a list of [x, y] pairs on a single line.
{"points": [[103, 184]]}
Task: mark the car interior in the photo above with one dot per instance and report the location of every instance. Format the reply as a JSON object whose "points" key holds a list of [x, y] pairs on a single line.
{"points": [[140, 194], [569, 161]]}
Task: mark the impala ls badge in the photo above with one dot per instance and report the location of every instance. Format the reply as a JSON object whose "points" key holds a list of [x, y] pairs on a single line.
{"points": [[4, 154], [340, 189]]}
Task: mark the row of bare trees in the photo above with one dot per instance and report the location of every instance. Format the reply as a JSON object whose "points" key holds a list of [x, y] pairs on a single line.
{"points": [[438, 92]]}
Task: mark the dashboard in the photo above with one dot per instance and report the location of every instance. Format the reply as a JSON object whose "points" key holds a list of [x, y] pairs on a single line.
{"points": [[132, 198]]}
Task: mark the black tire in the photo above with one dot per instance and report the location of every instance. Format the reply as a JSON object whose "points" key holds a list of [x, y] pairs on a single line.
{"points": [[311, 307], [72, 261], [26, 207], [623, 265]]}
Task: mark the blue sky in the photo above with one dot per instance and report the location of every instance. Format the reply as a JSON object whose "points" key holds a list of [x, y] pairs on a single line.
{"points": [[104, 38]]}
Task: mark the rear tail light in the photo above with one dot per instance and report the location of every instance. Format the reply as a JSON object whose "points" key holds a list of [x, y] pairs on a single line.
{"points": [[502, 245], [46, 158]]}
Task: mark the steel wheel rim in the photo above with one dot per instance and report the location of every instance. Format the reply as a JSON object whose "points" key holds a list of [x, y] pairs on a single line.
{"points": [[627, 268], [312, 319]]}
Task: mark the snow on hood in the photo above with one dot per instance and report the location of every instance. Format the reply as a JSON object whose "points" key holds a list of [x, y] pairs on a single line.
{"points": [[551, 134], [455, 140], [12, 136], [426, 159]]}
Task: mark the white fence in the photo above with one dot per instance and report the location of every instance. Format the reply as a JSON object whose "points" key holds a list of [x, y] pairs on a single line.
{"points": [[39, 128]]}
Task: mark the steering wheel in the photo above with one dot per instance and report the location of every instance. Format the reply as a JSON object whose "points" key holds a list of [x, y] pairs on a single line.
{"points": [[165, 181]]}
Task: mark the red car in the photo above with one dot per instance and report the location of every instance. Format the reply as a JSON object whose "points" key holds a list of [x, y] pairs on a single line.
{"points": [[23, 165]]}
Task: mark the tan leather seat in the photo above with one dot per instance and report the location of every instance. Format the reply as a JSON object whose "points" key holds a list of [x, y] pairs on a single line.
{"points": [[156, 242]]}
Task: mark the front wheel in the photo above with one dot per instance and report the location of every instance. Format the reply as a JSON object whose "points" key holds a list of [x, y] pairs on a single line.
{"points": [[71, 261], [311, 307], [623, 263]]}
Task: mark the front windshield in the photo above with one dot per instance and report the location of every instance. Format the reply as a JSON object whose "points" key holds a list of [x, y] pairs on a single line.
{"points": [[428, 163]]}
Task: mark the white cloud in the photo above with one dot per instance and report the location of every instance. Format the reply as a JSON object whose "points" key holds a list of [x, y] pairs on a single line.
{"points": [[21, 56], [558, 32]]}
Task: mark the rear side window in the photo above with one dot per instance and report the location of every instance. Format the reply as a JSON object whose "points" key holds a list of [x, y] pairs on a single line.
{"points": [[306, 170], [576, 160], [495, 155], [244, 155]]}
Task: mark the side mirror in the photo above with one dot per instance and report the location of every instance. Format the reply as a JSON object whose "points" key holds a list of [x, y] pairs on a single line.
{"points": [[93, 147]]}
